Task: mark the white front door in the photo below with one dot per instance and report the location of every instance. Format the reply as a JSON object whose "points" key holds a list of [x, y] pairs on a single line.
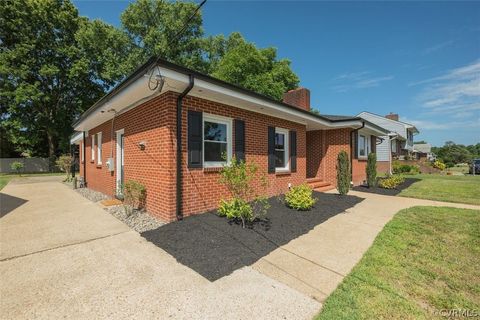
{"points": [[120, 161]]}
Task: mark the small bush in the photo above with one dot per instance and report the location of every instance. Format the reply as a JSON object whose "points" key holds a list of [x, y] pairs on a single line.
{"points": [[300, 198], [134, 194], [371, 170], [391, 182], [64, 163], [439, 165], [16, 166], [399, 168], [343, 173], [239, 177]]}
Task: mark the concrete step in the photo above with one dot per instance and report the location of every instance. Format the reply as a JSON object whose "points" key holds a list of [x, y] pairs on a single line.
{"points": [[318, 184], [324, 188], [311, 180]]}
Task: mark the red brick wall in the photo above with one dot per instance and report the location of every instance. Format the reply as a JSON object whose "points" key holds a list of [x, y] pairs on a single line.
{"points": [[154, 167], [298, 97], [359, 174], [383, 166], [315, 150], [155, 123], [335, 141], [202, 191]]}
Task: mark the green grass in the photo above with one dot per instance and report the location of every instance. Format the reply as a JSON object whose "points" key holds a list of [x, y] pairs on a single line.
{"points": [[6, 177], [458, 168], [426, 259], [461, 189]]}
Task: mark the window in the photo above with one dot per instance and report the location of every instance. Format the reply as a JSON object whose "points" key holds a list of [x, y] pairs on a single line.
{"points": [[394, 146], [93, 148], [99, 148], [281, 150], [217, 140], [362, 147]]}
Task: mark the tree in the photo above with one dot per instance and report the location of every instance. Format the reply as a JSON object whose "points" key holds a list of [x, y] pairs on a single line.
{"points": [[343, 173], [45, 80], [452, 153], [256, 69]]}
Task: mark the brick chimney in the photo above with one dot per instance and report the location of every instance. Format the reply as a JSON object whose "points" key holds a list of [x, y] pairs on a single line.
{"points": [[392, 116], [299, 98]]}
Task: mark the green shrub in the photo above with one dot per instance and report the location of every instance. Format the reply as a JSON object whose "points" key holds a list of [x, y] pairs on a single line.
{"points": [[371, 170], [439, 165], [16, 166], [239, 178], [391, 182], [64, 163], [300, 197], [235, 208], [399, 168], [343, 173], [134, 194]]}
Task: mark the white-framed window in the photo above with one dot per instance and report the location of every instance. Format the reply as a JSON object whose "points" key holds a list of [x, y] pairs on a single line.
{"points": [[364, 145], [282, 162], [93, 148], [394, 146], [217, 140], [99, 148]]}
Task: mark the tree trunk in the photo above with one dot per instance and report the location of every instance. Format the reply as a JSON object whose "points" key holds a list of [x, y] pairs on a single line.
{"points": [[51, 150]]}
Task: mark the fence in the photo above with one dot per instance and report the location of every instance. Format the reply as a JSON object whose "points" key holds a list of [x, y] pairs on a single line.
{"points": [[30, 165]]}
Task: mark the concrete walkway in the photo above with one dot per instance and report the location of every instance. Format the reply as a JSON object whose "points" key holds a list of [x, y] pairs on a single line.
{"points": [[317, 262], [65, 257]]}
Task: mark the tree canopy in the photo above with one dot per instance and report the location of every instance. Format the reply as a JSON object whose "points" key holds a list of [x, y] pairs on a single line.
{"points": [[452, 153], [54, 64]]}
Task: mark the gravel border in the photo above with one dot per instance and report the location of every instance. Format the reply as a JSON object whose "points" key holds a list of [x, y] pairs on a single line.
{"points": [[138, 220]]}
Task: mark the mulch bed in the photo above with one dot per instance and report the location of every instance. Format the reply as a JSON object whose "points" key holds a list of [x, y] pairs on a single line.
{"points": [[387, 192], [214, 247]]}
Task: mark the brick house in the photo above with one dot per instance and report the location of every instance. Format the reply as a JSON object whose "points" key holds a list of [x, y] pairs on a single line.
{"points": [[168, 126]]}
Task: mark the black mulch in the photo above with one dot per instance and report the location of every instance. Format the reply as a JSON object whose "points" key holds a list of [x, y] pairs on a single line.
{"points": [[214, 247], [388, 192]]}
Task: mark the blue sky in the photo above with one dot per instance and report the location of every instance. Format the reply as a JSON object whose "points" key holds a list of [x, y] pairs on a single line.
{"points": [[418, 59]]}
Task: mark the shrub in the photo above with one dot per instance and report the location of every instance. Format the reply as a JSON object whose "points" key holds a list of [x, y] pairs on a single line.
{"points": [[64, 163], [371, 170], [134, 194], [16, 166], [439, 165], [239, 177], [399, 168], [391, 182], [300, 197], [343, 173]]}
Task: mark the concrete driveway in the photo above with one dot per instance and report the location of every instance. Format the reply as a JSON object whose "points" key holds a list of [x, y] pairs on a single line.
{"points": [[63, 256]]}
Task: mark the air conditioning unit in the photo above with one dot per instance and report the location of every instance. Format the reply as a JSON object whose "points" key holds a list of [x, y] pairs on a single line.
{"points": [[110, 164]]}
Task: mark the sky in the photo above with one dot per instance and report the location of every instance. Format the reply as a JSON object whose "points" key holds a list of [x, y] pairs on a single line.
{"points": [[418, 59]]}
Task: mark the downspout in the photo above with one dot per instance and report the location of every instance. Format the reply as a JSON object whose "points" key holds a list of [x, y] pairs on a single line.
{"points": [[178, 212], [351, 149], [84, 161]]}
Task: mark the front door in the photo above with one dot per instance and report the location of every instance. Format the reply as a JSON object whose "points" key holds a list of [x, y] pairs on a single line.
{"points": [[120, 161]]}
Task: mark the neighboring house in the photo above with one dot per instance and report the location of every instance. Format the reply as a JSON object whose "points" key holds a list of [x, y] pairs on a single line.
{"points": [[171, 128], [398, 144], [423, 151]]}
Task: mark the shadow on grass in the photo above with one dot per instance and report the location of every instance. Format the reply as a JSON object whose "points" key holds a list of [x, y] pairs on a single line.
{"points": [[215, 247], [388, 192], [9, 203]]}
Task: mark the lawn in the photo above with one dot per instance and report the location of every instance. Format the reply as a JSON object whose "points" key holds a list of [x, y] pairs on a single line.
{"points": [[461, 189], [425, 260], [5, 178]]}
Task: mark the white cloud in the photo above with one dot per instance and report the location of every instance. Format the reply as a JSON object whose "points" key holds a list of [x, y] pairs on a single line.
{"points": [[358, 80], [456, 91], [443, 125], [437, 47]]}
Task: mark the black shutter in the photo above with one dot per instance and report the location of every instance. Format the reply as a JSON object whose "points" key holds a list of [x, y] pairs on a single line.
{"points": [[293, 151], [373, 144], [239, 140], [355, 145], [194, 132], [271, 149]]}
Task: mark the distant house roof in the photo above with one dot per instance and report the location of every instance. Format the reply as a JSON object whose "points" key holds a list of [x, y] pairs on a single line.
{"points": [[423, 147]]}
